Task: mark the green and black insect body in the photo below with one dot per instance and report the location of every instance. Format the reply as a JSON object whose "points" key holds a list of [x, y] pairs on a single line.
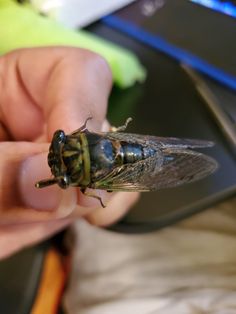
{"points": [[118, 161]]}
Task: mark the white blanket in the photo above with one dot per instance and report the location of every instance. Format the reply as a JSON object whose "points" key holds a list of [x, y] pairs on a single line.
{"points": [[189, 268]]}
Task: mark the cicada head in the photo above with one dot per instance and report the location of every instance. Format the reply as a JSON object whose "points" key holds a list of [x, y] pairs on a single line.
{"points": [[55, 159], [66, 161], [56, 163]]}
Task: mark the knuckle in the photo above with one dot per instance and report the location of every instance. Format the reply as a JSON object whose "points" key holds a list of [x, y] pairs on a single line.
{"points": [[98, 65], [90, 63]]}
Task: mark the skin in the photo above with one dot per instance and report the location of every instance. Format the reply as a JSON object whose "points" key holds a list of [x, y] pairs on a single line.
{"points": [[42, 90]]}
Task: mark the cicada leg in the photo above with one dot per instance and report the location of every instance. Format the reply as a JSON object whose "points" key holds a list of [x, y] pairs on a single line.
{"points": [[45, 183], [83, 190], [82, 128], [122, 127]]}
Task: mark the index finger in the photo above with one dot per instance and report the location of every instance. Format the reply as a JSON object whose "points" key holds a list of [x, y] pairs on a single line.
{"points": [[78, 88], [70, 85]]}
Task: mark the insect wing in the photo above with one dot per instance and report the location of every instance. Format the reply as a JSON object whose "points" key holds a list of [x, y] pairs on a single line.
{"points": [[179, 167], [156, 141], [183, 166]]}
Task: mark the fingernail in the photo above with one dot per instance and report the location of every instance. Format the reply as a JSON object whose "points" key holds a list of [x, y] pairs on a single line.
{"points": [[105, 126], [32, 170]]}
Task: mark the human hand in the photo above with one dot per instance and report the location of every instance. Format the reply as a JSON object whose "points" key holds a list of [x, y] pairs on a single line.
{"points": [[42, 90]]}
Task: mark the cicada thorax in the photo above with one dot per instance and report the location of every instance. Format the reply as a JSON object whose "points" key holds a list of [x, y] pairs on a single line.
{"points": [[75, 155]]}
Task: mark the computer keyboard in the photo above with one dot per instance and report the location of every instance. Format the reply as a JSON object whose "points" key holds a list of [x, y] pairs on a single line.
{"points": [[227, 7]]}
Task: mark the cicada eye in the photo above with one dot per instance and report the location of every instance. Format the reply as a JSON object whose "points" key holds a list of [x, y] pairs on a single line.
{"points": [[51, 159], [63, 182], [59, 136]]}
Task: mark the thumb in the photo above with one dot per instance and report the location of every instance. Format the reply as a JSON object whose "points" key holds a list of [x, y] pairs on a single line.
{"points": [[22, 164]]}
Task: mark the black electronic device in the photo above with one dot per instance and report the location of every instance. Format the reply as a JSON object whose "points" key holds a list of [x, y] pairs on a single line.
{"points": [[199, 36], [168, 104]]}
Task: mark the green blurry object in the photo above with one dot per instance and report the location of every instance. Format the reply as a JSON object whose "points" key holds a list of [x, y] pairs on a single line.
{"points": [[21, 26]]}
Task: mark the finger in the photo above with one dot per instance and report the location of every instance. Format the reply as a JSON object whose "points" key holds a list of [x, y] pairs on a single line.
{"points": [[78, 88], [23, 235], [62, 85], [4, 135], [15, 98], [22, 164], [118, 206]]}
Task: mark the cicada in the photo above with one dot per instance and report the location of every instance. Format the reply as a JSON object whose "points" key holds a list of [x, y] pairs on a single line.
{"points": [[118, 161]]}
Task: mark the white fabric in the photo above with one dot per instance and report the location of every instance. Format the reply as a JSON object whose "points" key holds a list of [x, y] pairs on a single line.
{"points": [[189, 268], [78, 13]]}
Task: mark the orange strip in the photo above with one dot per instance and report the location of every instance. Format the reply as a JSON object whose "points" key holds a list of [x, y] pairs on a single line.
{"points": [[51, 285]]}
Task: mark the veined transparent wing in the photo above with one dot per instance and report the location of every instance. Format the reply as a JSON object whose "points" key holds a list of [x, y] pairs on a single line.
{"points": [[156, 141], [179, 167]]}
